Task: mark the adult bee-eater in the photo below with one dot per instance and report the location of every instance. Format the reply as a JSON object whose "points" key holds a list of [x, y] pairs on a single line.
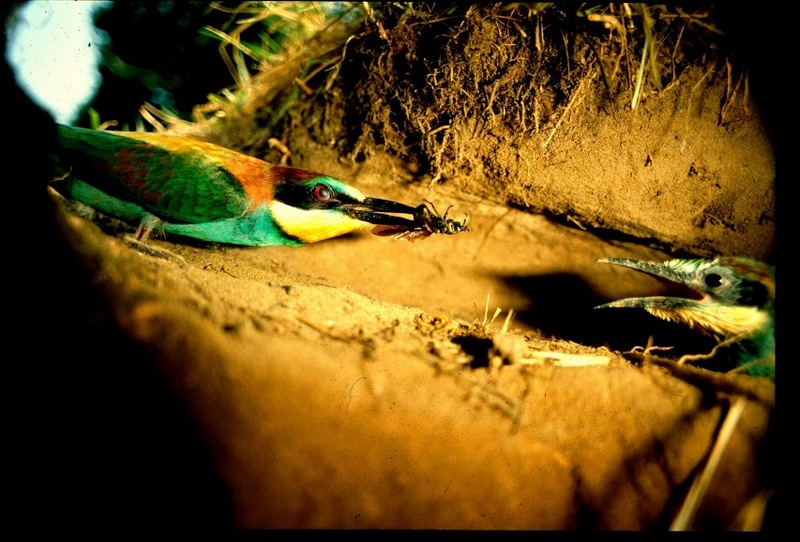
{"points": [[186, 187], [731, 298]]}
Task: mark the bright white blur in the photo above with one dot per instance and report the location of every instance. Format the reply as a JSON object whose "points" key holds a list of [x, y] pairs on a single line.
{"points": [[54, 49]]}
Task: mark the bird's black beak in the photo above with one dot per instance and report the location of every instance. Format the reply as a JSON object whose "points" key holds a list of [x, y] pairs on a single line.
{"points": [[668, 275], [382, 211]]}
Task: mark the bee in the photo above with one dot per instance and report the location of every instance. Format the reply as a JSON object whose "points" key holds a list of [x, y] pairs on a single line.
{"points": [[435, 223], [427, 221]]}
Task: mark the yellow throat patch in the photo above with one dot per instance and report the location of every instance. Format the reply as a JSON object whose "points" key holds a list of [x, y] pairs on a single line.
{"points": [[721, 321], [312, 225]]}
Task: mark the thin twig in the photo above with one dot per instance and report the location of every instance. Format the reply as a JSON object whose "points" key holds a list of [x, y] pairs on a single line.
{"points": [[700, 486], [572, 101]]}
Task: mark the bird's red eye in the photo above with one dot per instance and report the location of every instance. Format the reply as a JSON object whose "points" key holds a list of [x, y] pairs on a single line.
{"points": [[322, 192]]}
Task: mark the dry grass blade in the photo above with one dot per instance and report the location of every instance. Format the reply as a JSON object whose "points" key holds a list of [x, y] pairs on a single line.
{"points": [[155, 116], [648, 58], [683, 520], [564, 359], [235, 66], [639, 79], [298, 21], [487, 322], [573, 101], [507, 322]]}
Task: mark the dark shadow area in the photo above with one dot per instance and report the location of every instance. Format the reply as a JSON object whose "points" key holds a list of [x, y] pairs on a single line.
{"points": [[563, 306], [476, 347], [158, 54], [97, 438]]}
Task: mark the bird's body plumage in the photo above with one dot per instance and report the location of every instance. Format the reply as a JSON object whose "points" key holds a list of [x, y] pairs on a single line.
{"points": [[729, 297], [198, 189]]}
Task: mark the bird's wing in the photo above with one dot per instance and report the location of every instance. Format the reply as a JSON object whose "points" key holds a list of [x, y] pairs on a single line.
{"points": [[177, 183]]}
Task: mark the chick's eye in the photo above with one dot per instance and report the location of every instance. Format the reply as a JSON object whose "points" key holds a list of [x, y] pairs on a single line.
{"points": [[713, 280], [322, 192]]}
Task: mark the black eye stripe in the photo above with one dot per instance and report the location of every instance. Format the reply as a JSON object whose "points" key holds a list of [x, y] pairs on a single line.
{"points": [[310, 195], [753, 293]]}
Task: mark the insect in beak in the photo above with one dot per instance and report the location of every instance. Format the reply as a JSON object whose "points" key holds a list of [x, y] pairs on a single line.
{"points": [[427, 221]]}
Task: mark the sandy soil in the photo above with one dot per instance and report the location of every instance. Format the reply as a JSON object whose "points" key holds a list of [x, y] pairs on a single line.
{"points": [[366, 382]]}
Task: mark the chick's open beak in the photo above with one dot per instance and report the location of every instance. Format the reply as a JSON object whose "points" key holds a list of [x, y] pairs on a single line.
{"points": [[674, 278]]}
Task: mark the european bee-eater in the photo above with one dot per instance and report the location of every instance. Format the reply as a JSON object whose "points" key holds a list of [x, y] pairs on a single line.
{"points": [[731, 298], [187, 187]]}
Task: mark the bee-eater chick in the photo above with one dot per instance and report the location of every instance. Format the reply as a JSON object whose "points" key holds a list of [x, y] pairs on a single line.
{"points": [[731, 298]]}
